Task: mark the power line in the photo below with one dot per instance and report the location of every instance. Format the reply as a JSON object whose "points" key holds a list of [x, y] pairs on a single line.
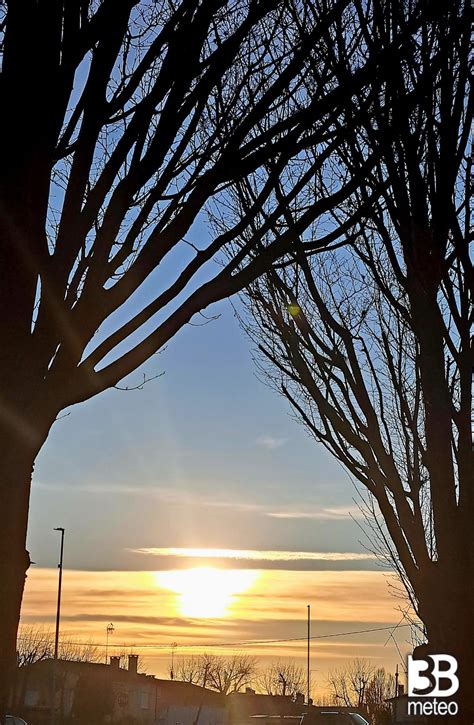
{"points": [[243, 643]]}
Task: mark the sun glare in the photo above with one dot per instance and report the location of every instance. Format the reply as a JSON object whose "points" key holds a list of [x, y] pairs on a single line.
{"points": [[206, 591]]}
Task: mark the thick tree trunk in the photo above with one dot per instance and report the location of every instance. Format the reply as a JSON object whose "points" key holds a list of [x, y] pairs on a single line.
{"points": [[16, 467], [447, 612]]}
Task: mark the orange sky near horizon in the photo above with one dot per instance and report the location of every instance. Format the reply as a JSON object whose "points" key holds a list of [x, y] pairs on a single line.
{"points": [[201, 608]]}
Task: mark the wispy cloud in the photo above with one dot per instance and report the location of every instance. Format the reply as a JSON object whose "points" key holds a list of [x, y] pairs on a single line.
{"points": [[254, 554], [188, 497], [166, 494], [270, 442], [334, 512]]}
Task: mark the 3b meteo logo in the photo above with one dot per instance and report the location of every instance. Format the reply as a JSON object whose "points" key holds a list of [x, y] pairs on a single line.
{"points": [[431, 680]]}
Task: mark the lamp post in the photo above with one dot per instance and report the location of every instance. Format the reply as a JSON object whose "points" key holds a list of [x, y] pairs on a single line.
{"points": [[56, 638], [308, 656], [110, 630], [60, 583]]}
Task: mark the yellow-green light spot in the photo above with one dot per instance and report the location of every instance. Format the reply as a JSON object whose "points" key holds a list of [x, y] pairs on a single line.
{"points": [[294, 310]]}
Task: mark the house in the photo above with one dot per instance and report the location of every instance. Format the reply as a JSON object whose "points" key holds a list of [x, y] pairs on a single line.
{"points": [[93, 694], [187, 704]]}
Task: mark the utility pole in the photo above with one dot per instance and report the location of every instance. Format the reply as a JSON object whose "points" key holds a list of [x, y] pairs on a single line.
{"points": [[173, 647], [395, 702], [56, 638], [308, 672]]}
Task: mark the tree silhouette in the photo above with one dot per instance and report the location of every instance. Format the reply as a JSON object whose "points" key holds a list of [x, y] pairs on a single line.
{"points": [[123, 122], [216, 672], [372, 344], [349, 684], [360, 684], [380, 689], [283, 678], [37, 643]]}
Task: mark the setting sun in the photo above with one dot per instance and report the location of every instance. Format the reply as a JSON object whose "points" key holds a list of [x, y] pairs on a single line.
{"points": [[206, 591]]}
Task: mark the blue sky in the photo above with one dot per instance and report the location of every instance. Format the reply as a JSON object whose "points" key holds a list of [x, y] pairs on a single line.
{"points": [[204, 455]]}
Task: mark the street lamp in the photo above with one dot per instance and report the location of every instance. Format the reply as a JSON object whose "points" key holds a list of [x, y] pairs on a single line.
{"points": [[56, 638], [60, 583], [110, 630], [308, 655]]}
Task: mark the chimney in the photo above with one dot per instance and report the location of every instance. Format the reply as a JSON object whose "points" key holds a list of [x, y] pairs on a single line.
{"points": [[299, 698], [133, 663], [249, 691], [115, 663], [401, 690]]}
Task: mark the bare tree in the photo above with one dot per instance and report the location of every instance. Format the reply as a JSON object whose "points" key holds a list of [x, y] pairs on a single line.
{"points": [[36, 643], [231, 674], [123, 121], [71, 651], [359, 684], [372, 345], [379, 690], [223, 674], [188, 669], [33, 645], [349, 684], [282, 678]]}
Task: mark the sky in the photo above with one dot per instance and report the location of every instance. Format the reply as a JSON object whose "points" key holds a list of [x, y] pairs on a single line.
{"points": [[204, 457]]}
